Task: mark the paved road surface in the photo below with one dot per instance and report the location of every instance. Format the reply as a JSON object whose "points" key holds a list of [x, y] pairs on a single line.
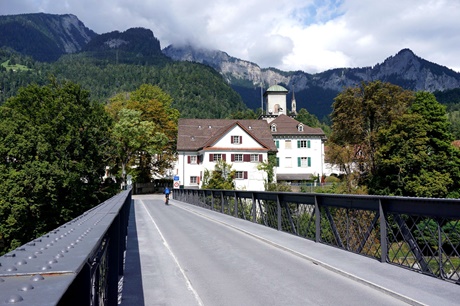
{"points": [[191, 258]]}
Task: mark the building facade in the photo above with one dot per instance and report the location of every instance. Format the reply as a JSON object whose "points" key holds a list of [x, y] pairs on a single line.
{"points": [[245, 144], [242, 143]]}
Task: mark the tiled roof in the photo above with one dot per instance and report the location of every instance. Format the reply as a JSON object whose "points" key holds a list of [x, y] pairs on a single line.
{"points": [[197, 134], [286, 125]]}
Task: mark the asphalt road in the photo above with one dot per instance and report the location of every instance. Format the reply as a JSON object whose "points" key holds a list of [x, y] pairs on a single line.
{"points": [[189, 259]]}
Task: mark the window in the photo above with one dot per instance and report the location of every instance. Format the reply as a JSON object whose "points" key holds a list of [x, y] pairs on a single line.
{"points": [[287, 144], [300, 127], [273, 126], [193, 159], [194, 180], [216, 157], [304, 162], [236, 139], [255, 158], [288, 162], [237, 157], [241, 175], [303, 143]]}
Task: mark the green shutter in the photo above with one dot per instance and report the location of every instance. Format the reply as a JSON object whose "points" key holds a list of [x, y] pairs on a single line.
{"points": [[277, 161], [299, 162], [298, 143], [277, 144], [309, 161], [308, 143]]}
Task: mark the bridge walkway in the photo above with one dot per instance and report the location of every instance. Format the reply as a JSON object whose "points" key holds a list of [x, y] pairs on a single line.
{"points": [[186, 255]]}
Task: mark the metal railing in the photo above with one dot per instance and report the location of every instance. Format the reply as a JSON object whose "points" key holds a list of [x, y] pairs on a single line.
{"points": [[420, 234], [78, 263]]}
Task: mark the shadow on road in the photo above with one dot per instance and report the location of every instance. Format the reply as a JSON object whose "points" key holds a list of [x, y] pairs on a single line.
{"points": [[133, 291]]}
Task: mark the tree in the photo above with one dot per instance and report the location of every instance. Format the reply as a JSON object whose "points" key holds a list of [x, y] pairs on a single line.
{"points": [[134, 137], [154, 106], [53, 143], [415, 155], [222, 177], [358, 115]]}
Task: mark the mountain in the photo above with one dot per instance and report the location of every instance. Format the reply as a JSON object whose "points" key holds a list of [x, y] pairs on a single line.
{"points": [[47, 37], [134, 46], [316, 92], [44, 37]]}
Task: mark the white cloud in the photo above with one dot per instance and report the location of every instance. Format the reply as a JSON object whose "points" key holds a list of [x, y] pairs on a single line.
{"points": [[309, 35]]}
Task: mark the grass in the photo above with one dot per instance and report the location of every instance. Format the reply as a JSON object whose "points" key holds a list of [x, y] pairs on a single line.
{"points": [[15, 68]]}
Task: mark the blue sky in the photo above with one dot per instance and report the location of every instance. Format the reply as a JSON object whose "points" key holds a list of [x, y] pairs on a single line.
{"points": [[308, 35]]}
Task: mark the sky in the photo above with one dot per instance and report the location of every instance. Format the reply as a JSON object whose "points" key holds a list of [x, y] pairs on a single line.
{"points": [[308, 35]]}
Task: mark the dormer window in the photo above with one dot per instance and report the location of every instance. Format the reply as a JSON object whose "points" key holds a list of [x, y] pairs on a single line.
{"points": [[273, 127], [300, 127]]}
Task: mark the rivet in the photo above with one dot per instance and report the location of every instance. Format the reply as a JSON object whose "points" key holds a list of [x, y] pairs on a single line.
{"points": [[47, 267], [14, 299], [11, 269], [37, 278], [52, 261], [21, 262], [32, 256], [26, 287]]}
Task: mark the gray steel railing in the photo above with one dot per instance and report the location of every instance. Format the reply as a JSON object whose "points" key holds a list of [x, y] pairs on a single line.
{"points": [[78, 263], [420, 234]]}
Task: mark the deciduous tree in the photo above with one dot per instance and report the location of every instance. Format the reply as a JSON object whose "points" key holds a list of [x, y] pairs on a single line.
{"points": [[358, 115], [52, 155]]}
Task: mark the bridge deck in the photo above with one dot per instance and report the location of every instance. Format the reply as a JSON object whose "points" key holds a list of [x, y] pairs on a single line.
{"points": [[185, 255]]}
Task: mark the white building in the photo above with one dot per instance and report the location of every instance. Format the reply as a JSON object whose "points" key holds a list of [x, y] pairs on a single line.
{"points": [[300, 154], [242, 143]]}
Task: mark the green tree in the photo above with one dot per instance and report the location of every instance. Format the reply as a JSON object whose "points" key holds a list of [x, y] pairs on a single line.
{"points": [[358, 115], [416, 156], [222, 177], [134, 137], [154, 106], [52, 150]]}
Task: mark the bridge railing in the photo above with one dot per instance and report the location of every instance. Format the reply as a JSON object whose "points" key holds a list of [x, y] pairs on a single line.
{"points": [[78, 263], [420, 234]]}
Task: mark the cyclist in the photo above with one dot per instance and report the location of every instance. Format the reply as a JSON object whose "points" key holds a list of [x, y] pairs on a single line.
{"points": [[167, 192]]}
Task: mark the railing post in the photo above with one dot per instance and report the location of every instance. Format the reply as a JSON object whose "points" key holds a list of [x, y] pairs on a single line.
{"points": [[383, 233], [254, 207], [236, 205], [317, 221], [278, 210]]}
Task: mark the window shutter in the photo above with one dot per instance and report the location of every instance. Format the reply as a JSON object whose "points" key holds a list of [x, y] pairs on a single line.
{"points": [[299, 162], [211, 157], [277, 161], [188, 159], [245, 175], [232, 157], [260, 158], [241, 139], [298, 143], [198, 180], [308, 143], [231, 139], [309, 161], [246, 157], [223, 157], [277, 143], [198, 159]]}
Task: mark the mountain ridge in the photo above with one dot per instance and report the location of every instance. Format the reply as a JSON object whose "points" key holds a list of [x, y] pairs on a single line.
{"points": [[46, 37]]}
